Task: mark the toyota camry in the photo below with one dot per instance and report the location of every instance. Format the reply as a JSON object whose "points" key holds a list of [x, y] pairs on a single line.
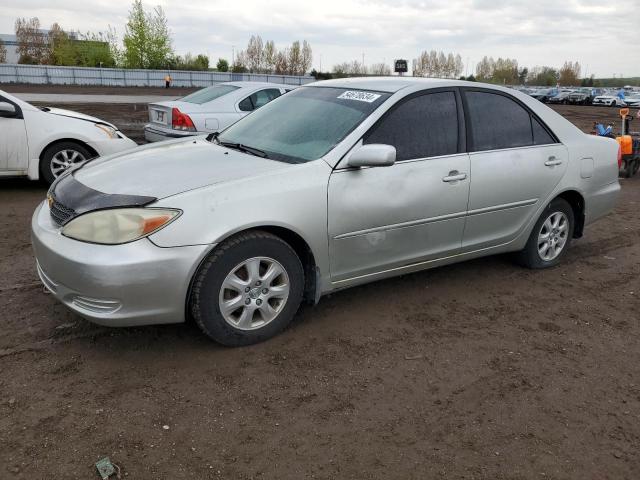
{"points": [[335, 184]]}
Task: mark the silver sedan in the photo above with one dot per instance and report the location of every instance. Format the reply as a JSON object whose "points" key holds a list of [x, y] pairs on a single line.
{"points": [[335, 184]]}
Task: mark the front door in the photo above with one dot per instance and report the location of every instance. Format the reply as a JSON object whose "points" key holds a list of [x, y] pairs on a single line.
{"points": [[389, 217], [13, 138], [516, 163]]}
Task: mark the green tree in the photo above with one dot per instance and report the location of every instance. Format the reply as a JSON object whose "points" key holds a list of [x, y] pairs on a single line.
{"points": [[222, 65], [147, 39], [61, 47]]}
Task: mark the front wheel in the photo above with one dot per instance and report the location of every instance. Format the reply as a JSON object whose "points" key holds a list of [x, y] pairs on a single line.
{"points": [[248, 290], [59, 157], [550, 237]]}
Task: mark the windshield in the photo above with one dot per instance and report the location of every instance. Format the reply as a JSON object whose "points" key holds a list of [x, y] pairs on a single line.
{"points": [[210, 93], [305, 124]]}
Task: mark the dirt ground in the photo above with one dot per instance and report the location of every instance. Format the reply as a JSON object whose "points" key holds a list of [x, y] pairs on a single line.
{"points": [[481, 370]]}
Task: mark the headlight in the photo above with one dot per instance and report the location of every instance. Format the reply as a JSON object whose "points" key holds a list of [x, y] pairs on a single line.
{"points": [[110, 131], [118, 225]]}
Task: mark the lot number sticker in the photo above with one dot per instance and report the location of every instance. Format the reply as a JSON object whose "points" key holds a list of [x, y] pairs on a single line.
{"points": [[359, 96]]}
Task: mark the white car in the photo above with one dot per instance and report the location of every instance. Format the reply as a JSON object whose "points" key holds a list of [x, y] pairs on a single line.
{"points": [[609, 100], [633, 101], [209, 110], [41, 143]]}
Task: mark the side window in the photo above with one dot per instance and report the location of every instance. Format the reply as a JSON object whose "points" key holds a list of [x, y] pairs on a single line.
{"points": [[259, 99], [246, 105], [424, 126], [540, 134], [498, 122]]}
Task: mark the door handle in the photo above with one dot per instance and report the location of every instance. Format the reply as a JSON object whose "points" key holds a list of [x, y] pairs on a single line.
{"points": [[552, 162], [454, 176]]}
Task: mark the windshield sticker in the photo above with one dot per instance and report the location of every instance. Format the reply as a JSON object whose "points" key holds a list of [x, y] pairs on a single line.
{"points": [[359, 96]]}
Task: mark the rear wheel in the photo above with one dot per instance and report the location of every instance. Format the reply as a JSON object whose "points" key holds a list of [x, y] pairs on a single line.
{"points": [[550, 237], [59, 157], [248, 290]]}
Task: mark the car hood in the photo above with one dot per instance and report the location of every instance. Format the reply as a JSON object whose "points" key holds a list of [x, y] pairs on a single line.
{"points": [[78, 115], [167, 168]]}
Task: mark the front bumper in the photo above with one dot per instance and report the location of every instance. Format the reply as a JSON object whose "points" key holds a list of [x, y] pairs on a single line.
{"points": [[133, 284], [153, 133], [113, 145]]}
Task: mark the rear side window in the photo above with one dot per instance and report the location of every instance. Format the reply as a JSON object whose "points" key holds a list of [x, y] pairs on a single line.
{"points": [[540, 134], [259, 99], [423, 126], [499, 122]]}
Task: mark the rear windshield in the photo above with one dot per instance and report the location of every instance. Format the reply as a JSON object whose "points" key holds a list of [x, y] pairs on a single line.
{"points": [[210, 93]]}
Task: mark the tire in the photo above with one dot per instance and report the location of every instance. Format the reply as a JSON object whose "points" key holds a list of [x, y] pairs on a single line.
{"points": [[215, 285], [530, 256], [53, 158]]}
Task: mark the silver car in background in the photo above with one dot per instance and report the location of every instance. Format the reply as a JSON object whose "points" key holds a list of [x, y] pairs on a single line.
{"points": [[335, 184], [211, 109]]}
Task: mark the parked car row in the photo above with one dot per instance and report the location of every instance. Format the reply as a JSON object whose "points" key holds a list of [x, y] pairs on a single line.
{"points": [[586, 96], [332, 185]]}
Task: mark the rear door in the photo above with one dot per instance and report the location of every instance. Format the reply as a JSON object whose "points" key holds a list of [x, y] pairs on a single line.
{"points": [[391, 217], [516, 162]]}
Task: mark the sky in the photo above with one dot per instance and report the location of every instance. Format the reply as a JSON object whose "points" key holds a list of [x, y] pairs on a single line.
{"points": [[603, 36]]}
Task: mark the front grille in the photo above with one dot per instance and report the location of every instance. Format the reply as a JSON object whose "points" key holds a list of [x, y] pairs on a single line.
{"points": [[59, 213]]}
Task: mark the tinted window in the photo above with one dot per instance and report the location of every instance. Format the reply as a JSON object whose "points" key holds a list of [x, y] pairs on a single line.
{"points": [[258, 99], [540, 134], [498, 122], [207, 94], [424, 126]]}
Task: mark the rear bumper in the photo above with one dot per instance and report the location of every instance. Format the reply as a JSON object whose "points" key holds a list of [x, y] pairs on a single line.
{"points": [[153, 133], [136, 283]]}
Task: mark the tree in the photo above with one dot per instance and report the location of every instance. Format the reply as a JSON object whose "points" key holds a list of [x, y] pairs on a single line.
{"points": [[255, 54], [94, 50], [569, 74], [485, 69], [3, 52], [305, 58], [269, 54], [240, 63], [61, 49], [222, 65], [380, 69], [522, 75], [147, 39], [32, 47], [294, 60], [543, 76], [281, 66]]}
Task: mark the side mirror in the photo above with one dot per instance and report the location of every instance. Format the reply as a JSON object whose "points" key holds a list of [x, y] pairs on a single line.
{"points": [[7, 109], [373, 155]]}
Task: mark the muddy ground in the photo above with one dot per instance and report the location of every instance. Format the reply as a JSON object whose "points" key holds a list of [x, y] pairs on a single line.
{"points": [[481, 370]]}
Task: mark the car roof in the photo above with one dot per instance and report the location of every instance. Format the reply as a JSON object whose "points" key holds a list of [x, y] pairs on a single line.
{"points": [[253, 84], [395, 84]]}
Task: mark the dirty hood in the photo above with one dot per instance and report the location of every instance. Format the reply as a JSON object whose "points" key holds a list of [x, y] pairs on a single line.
{"points": [[167, 168], [78, 115]]}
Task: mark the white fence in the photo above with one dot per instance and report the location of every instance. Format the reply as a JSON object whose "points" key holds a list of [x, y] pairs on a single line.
{"points": [[118, 77]]}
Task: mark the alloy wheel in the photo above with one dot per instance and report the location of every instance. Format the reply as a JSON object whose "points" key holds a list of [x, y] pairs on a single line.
{"points": [[65, 159], [553, 236], [254, 293]]}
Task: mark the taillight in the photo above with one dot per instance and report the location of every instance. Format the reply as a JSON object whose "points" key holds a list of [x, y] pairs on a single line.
{"points": [[619, 156], [181, 121]]}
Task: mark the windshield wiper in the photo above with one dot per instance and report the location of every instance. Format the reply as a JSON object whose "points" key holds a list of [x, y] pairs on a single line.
{"points": [[244, 148]]}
